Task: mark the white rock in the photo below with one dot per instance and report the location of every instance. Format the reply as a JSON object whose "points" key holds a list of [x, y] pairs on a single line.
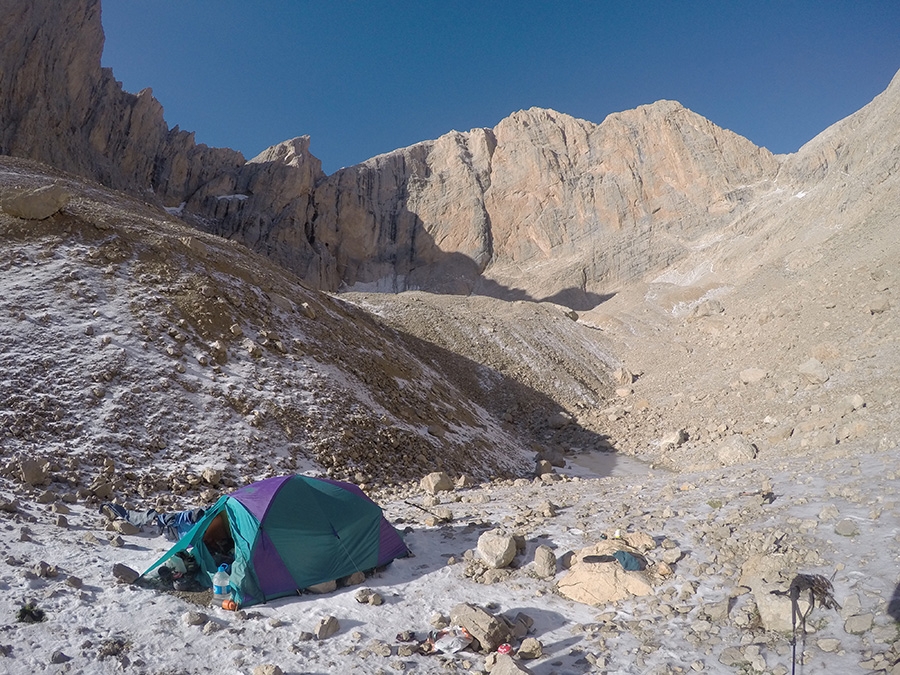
{"points": [[496, 548]]}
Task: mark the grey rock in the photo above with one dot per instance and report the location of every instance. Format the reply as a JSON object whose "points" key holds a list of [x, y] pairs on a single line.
{"points": [[323, 588], [544, 562], [34, 471], [735, 449], [859, 623], [731, 656], [675, 438], [504, 664], [488, 630], [59, 657], [878, 304], [846, 527], [813, 371], [753, 375], [36, 204], [125, 574], [368, 596], [531, 648], [211, 627], [194, 618]]}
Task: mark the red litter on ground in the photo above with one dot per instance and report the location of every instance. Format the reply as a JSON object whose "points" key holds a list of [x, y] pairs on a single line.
{"points": [[504, 649]]}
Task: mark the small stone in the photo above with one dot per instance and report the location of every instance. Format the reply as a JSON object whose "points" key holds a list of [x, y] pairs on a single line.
{"points": [[308, 310], [846, 528], [439, 621], [327, 627], [465, 481], [753, 375], [671, 554], [813, 371], [859, 623], [355, 579], [735, 449], [623, 376], [544, 562], [210, 627], [380, 648], [878, 304], [828, 644], [731, 656], [675, 438], [268, 669], [124, 527], [194, 618], [59, 657], [531, 648], [125, 574], [323, 588], [368, 596]]}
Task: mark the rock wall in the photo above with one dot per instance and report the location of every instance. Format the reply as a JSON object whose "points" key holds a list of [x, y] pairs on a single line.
{"points": [[543, 205], [58, 106]]}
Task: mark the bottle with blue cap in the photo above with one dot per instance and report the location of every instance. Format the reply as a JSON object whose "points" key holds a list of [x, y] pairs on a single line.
{"points": [[221, 584]]}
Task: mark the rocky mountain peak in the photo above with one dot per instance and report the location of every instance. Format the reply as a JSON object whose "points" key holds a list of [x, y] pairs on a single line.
{"points": [[544, 206]]}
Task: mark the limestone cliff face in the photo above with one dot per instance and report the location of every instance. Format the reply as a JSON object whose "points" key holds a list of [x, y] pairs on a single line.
{"points": [[540, 205], [266, 204]]}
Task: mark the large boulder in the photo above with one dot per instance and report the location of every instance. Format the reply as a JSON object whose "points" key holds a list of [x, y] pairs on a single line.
{"points": [[36, 204], [435, 482], [764, 573], [496, 548], [488, 630], [596, 578]]}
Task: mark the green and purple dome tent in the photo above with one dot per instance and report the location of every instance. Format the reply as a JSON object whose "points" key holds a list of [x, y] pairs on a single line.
{"points": [[290, 533]]}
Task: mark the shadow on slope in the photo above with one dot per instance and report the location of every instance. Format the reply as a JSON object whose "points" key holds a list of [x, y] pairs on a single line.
{"points": [[338, 388]]}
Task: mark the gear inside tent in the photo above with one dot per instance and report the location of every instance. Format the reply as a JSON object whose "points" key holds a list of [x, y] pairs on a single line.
{"points": [[285, 534]]}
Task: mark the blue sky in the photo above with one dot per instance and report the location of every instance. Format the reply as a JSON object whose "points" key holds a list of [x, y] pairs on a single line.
{"points": [[367, 77]]}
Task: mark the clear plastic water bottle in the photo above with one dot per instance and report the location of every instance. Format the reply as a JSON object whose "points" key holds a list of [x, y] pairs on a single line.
{"points": [[221, 585]]}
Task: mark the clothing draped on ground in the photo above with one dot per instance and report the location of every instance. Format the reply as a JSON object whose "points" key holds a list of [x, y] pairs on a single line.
{"points": [[172, 525]]}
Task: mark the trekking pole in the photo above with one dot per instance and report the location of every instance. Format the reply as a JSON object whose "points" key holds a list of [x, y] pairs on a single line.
{"points": [[421, 508]]}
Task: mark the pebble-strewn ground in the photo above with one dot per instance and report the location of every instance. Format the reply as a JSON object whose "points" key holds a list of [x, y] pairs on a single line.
{"points": [[726, 531]]}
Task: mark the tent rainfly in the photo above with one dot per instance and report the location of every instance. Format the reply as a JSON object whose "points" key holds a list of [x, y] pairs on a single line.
{"points": [[289, 533]]}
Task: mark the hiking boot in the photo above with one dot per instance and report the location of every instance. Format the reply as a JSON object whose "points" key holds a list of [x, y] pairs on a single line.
{"points": [[107, 511]]}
